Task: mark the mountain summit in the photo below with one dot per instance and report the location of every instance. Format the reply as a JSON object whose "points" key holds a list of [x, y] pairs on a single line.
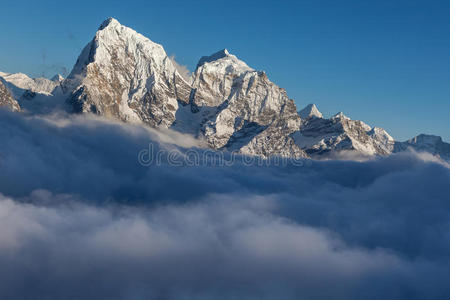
{"points": [[310, 111], [124, 75]]}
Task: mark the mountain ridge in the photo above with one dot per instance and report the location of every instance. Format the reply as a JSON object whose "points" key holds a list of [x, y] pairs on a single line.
{"points": [[123, 75]]}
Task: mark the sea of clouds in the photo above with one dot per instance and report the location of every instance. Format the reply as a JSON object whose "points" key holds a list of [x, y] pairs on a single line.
{"points": [[81, 217]]}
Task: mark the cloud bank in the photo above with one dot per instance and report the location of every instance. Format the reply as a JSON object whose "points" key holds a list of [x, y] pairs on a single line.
{"points": [[81, 218]]}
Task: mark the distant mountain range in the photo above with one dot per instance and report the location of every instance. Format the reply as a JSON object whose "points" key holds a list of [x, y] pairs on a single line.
{"points": [[123, 75]]}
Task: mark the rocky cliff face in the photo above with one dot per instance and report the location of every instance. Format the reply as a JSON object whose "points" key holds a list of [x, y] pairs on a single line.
{"points": [[122, 74], [6, 100]]}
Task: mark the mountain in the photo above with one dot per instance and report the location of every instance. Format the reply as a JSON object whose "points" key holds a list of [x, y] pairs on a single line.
{"points": [[244, 110], [310, 111], [34, 95], [426, 143], [124, 75], [320, 137], [24, 87], [6, 99]]}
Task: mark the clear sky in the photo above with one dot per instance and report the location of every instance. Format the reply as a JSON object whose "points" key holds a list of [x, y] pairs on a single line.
{"points": [[385, 62]]}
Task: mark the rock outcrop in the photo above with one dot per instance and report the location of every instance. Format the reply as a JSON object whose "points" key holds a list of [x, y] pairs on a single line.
{"points": [[6, 99]]}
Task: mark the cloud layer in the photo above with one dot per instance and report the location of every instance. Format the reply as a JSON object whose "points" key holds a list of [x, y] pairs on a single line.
{"points": [[81, 218]]}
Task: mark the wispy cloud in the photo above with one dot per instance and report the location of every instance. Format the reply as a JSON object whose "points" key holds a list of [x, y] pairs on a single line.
{"points": [[183, 70]]}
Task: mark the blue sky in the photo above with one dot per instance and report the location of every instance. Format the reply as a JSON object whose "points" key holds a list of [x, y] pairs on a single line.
{"points": [[384, 62]]}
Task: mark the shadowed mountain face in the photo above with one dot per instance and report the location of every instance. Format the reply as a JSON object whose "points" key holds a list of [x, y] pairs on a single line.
{"points": [[6, 100]]}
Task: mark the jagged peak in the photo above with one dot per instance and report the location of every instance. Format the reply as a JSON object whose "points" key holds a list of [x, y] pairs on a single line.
{"points": [[109, 22], [224, 61], [213, 57], [310, 111], [341, 116], [111, 31], [113, 34]]}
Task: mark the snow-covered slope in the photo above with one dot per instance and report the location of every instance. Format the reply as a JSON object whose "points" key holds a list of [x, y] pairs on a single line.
{"points": [[124, 75], [6, 99], [426, 143], [323, 137]]}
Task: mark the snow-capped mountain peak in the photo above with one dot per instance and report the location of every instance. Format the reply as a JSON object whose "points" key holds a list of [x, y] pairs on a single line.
{"points": [[310, 111], [111, 33], [222, 62], [109, 22], [123, 74], [340, 116], [213, 57], [18, 83]]}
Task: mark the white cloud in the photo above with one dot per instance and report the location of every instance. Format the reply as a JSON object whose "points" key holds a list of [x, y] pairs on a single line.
{"points": [[80, 218], [183, 70]]}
